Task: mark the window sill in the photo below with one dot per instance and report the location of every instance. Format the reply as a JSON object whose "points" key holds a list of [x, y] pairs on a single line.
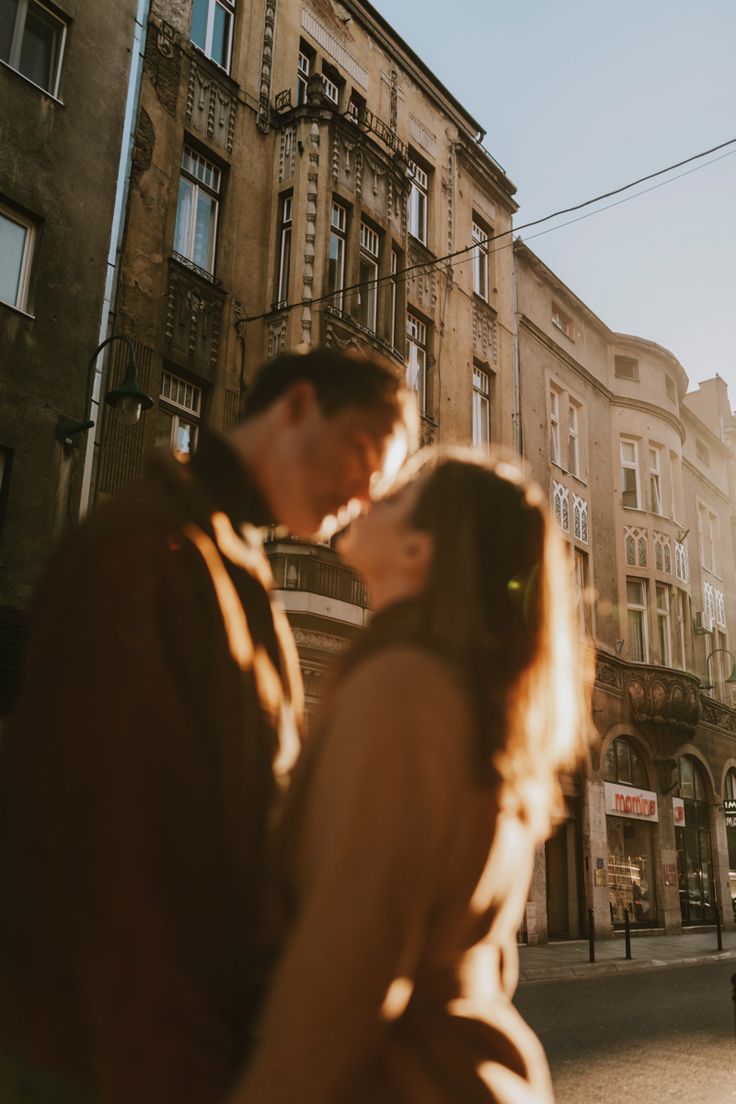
{"points": [[17, 310], [44, 91], [210, 61], [563, 331]]}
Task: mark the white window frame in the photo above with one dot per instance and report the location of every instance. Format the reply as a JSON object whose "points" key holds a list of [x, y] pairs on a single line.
{"points": [[481, 411], [418, 202], [681, 618], [554, 426], [481, 280], [182, 401], [286, 223], [640, 610], [303, 73], [26, 261], [416, 358], [332, 90], [562, 321], [16, 45], [370, 252], [573, 438], [664, 630], [338, 234], [655, 480], [228, 6], [205, 178], [561, 505], [580, 519], [630, 465]]}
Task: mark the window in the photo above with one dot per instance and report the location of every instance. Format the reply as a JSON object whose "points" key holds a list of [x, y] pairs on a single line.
{"points": [[626, 367], [356, 106], [625, 765], [394, 289], [562, 321], [720, 607], [682, 566], [367, 277], [709, 606], [579, 518], [561, 505], [663, 625], [573, 439], [196, 211], [416, 365], [303, 73], [336, 254], [418, 201], [212, 29], [630, 474], [708, 537], [663, 553], [17, 236], [681, 606], [554, 426], [332, 84], [179, 415], [702, 452], [480, 235], [6, 463], [655, 481], [286, 204], [581, 592], [481, 408], [636, 546], [636, 601], [32, 42], [669, 386]]}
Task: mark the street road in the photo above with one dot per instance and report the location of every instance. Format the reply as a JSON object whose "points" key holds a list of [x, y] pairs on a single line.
{"points": [[663, 1035]]}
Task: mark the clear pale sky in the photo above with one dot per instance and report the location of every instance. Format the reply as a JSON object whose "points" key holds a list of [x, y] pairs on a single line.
{"points": [[578, 97]]}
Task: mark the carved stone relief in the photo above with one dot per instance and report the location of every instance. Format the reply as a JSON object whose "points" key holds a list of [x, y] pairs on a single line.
{"points": [[193, 318], [163, 64], [276, 336], [421, 283], [310, 235], [485, 333], [660, 699], [263, 121], [287, 153], [211, 107]]}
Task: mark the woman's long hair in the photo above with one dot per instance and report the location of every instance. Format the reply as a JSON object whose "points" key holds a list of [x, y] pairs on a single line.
{"points": [[498, 605]]}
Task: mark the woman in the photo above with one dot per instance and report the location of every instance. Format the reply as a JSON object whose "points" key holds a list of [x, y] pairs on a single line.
{"points": [[408, 837]]}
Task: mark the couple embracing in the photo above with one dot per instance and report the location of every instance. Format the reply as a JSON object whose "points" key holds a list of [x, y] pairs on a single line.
{"points": [[187, 917]]}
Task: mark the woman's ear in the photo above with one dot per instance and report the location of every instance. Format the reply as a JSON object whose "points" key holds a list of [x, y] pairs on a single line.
{"points": [[417, 551]]}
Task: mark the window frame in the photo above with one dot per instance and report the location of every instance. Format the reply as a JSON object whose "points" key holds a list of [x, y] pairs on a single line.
{"points": [[214, 191], [629, 465], [369, 258], [480, 236], [16, 45], [655, 481], [394, 297], [283, 253], [641, 609], [228, 6], [26, 263], [303, 73], [555, 444], [418, 212], [573, 438], [417, 336], [481, 408], [562, 321], [180, 412], [339, 234], [664, 623]]}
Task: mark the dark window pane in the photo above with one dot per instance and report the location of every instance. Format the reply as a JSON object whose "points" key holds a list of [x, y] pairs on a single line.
{"points": [[622, 756], [39, 48], [638, 773], [699, 782], [221, 36], [609, 771], [199, 23], [8, 11]]}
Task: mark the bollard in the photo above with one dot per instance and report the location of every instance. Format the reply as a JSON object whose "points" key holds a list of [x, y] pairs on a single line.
{"points": [[719, 934], [591, 936], [627, 933]]}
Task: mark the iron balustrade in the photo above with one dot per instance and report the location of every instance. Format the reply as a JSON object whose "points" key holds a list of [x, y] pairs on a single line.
{"points": [[315, 575]]}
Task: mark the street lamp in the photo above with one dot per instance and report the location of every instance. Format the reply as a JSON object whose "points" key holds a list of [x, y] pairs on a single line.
{"points": [[129, 399], [731, 678]]}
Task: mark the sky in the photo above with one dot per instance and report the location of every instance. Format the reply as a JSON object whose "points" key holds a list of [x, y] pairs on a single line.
{"points": [[578, 97]]}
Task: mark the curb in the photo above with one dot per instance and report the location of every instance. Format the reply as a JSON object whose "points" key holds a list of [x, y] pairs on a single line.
{"points": [[598, 969]]}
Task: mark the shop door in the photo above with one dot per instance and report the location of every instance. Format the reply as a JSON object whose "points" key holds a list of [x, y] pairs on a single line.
{"points": [[695, 870], [558, 885]]}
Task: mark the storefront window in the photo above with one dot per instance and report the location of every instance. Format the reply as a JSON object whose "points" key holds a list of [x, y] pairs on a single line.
{"points": [[730, 809], [695, 865], [631, 886]]}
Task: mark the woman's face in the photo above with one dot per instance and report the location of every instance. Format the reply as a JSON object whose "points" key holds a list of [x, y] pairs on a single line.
{"points": [[382, 546]]}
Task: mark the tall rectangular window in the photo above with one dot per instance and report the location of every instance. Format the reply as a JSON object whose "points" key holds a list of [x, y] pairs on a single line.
{"points": [[286, 204], [416, 363], [573, 439], [655, 481], [16, 250], [394, 300], [179, 414], [480, 236], [418, 202], [332, 84], [336, 254], [32, 42], [303, 73], [707, 534], [367, 277], [581, 592], [681, 607], [196, 211], [630, 497], [212, 29], [481, 408], [636, 601], [554, 426], [663, 625]]}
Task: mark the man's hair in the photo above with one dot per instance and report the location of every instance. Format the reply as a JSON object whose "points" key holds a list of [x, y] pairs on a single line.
{"points": [[340, 377]]}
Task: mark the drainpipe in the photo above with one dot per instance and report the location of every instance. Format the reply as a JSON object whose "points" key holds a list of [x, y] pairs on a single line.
{"points": [[515, 346], [116, 241]]}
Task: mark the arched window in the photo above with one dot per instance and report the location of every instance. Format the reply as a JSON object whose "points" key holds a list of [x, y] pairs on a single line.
{"points": [[624, 764], [731, 785]]}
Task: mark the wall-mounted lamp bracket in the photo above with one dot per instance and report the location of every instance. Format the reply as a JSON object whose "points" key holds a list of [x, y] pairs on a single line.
{"points": [[68, 430]]}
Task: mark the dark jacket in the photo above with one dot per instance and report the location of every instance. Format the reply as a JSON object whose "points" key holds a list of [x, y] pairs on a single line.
{"points": [[136, 785]]}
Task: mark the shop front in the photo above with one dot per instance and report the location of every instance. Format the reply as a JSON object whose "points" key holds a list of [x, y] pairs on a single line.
{"points": [[729, 810], [630, 816], [694, 850]]}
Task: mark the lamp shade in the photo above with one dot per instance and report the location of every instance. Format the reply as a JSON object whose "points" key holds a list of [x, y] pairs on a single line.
{"points": [[129, 399]]}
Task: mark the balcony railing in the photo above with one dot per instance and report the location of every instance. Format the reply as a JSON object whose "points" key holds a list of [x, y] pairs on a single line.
{"points": [[314, 575]]}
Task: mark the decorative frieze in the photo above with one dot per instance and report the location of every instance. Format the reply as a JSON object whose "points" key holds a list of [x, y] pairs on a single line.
{"points": [[485, 335], [193, 319], [310, 233], [660, 697], [211, 107], [321, 642], [276, 336], [421, 282], [334, 48], [287, 154]]}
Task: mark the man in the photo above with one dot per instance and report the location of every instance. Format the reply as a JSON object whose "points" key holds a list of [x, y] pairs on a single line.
{"points": [[138, 777]]}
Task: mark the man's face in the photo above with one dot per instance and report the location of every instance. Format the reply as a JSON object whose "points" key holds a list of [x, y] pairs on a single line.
{"points": [[329, 462]]}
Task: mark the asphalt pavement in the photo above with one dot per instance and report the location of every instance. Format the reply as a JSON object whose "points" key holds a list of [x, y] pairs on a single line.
{"points": [[662, 1035]]}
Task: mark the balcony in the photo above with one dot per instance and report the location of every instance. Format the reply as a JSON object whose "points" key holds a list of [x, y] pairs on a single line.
{"points": [[311, 570]]}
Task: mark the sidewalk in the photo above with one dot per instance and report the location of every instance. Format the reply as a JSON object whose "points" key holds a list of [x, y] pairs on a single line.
{"points": [[570, 959]]}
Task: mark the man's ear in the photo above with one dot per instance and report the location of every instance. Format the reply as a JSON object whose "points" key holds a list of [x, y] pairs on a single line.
{"points": [[299, 400]]}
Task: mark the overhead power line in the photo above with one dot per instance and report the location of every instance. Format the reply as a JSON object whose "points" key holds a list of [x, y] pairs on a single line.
{"points": [[450, 259]]}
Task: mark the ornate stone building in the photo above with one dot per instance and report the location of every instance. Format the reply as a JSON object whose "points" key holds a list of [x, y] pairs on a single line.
{"points": [[641, 483]]}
